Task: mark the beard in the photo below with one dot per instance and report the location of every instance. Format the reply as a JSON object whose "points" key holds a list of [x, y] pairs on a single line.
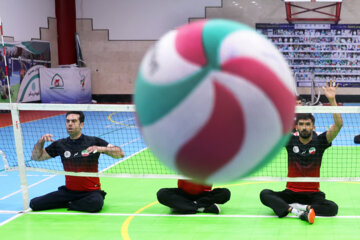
{"points": [[305, 134], [72, 131]]}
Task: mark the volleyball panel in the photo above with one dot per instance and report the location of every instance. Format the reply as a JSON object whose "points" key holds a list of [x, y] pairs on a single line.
{"points": [[201, 125]]}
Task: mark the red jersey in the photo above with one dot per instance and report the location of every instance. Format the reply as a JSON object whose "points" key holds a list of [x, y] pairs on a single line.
{"points": [[193, 188], [75, 159], [305, 161]]}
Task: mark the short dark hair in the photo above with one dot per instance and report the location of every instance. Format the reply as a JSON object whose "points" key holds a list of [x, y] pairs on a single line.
{"points": [[305, 116], [80, 113]]}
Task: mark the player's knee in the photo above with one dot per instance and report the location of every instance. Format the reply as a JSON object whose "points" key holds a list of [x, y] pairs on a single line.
{"points": [[223, 195], [96, 204], [334, 209], [35, 204], [227, 194], [93, 203], [264, 194], [95, 208], [162, 195]]}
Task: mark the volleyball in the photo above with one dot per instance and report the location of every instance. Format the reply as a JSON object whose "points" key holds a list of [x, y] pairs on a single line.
{"points": [[215, 100]]}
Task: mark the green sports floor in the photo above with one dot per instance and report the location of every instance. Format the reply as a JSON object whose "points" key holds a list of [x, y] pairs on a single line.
{"points": [[132, 212]]}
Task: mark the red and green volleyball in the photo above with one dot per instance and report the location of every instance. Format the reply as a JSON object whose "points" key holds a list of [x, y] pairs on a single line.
{"points": [[215, 100]]}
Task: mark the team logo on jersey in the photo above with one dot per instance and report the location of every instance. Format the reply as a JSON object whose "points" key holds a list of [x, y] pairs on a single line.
{"points": [[84, 153], [295, 149], [312, 150], [67, 154]]}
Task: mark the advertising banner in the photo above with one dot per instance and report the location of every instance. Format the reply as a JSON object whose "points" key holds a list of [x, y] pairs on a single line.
{"points": [[20, 57], [30, 87], [65, 85]]}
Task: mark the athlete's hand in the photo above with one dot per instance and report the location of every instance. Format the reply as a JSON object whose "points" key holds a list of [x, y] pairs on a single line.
{"points": [[93, 149], [330, 90], [47, 138]]}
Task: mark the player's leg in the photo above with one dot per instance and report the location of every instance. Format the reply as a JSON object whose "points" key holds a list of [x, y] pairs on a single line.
{"points": [[217, 195], [56, 199], [280, 203], [322, 206], [220, 195], [208, 200], [277, 201], [177, 200], [88, 202]]}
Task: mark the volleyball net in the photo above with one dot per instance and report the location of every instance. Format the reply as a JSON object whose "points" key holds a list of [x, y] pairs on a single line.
{"points": [[21, 128]]}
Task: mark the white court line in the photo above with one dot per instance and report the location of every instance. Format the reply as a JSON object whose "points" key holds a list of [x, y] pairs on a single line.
{"points": [[122, 160], [18, 214], [30, 186], [10, 219], [9, 212], [30, 175], [177, 215], [133, 140], [39, 175]]}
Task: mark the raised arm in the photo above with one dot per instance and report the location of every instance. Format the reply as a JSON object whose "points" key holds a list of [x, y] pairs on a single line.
{"points": [[330, 93], [39, 153], [111, 150]]}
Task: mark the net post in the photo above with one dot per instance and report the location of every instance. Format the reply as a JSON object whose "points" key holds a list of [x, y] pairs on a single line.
{"points": [[20, 154]]}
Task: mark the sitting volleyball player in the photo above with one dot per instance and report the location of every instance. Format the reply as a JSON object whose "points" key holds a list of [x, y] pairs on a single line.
{"points": [[305, 151], [79, 153], [190, 197]]}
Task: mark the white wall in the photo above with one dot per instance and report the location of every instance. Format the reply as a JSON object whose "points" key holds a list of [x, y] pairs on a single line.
{"points": [[23, 18], [145, 19], [135, 20], [126, 19], [141, 19]]}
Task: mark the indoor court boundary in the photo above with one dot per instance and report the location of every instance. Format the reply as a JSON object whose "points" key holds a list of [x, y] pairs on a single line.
{"points": [[163, 215], [30, 186]]}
